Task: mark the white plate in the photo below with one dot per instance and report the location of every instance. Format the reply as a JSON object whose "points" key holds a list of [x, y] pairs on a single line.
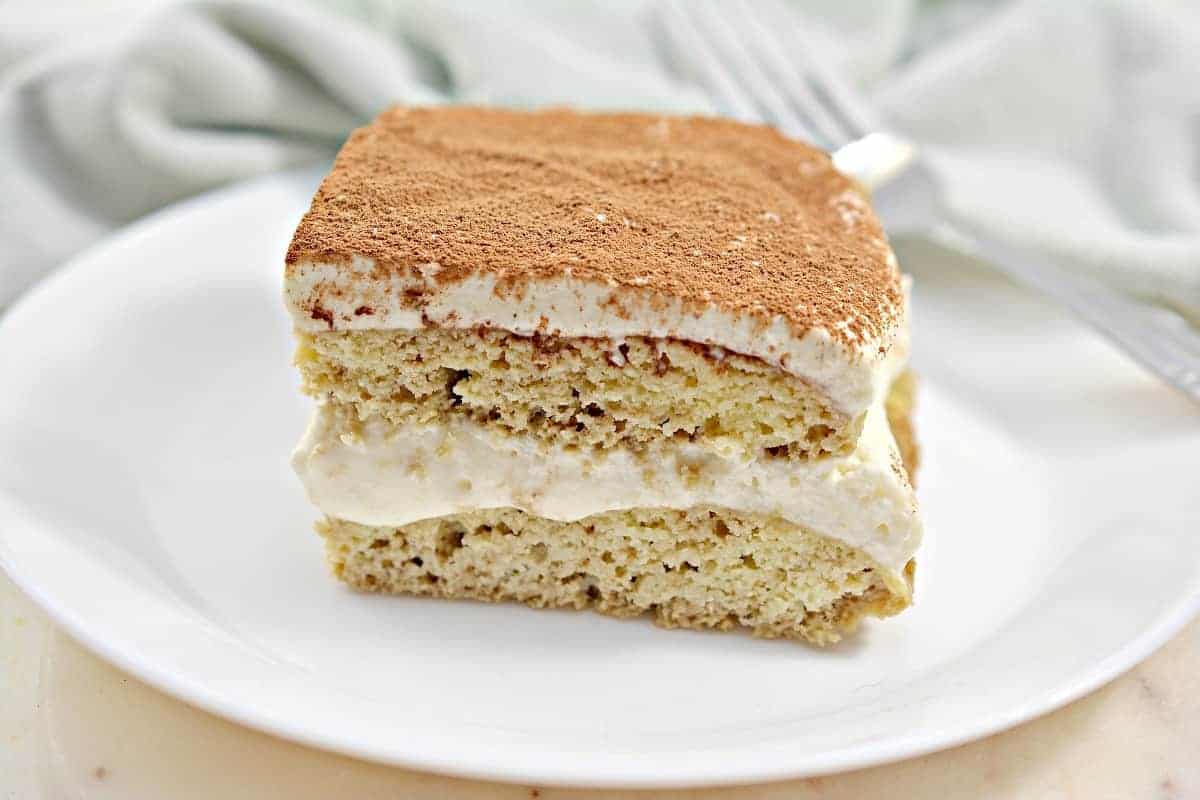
{"points": [[148, 408]]}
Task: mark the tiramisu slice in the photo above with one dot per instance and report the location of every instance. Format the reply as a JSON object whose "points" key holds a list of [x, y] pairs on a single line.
{"points": [[625, 362]]}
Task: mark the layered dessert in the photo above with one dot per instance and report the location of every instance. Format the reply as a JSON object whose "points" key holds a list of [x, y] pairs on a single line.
{"points": [[612, 361]]}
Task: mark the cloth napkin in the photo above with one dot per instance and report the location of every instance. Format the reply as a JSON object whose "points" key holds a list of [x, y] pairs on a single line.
{"points": [[1073, 126]]}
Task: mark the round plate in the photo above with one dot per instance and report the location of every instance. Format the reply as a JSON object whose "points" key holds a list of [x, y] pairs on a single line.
{"points": [[146, 418]]}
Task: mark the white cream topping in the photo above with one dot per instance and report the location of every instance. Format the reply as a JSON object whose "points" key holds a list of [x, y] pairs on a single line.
{"points": [[355, 299], [390, 476]]}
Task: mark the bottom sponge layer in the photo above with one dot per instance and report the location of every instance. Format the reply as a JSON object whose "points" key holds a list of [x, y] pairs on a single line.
{"points": [[695, 568]]}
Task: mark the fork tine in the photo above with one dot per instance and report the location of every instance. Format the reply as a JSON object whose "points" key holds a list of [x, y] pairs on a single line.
{"points": [[736, 45], [764, 40], [681, 28], [838, 99]]}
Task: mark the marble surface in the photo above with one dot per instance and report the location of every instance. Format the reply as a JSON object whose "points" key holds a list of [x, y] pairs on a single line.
{"points": [[73, 727]]}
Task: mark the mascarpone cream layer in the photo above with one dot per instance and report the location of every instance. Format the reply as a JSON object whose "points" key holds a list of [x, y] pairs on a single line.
{"points": [[323, 296], [382, 475]]}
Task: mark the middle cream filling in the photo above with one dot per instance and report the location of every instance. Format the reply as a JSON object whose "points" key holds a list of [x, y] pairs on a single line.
{"points": [[392, 476]]}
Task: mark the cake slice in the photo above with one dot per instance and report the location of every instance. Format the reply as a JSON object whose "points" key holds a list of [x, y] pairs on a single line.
{"points": [[610, 361]]}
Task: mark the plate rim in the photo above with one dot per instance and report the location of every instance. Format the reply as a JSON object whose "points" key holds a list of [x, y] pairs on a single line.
{"points": [[862, 756], [192, 691]]}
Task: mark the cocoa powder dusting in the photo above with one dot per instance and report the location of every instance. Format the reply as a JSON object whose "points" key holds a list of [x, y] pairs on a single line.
{"points": [[709, 211]]}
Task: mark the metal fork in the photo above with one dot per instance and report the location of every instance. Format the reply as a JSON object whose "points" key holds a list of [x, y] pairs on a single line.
{"points": [[757, 62]]}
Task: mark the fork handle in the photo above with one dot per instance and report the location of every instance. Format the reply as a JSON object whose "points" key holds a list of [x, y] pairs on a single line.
{"points": [[1158, 339]]}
